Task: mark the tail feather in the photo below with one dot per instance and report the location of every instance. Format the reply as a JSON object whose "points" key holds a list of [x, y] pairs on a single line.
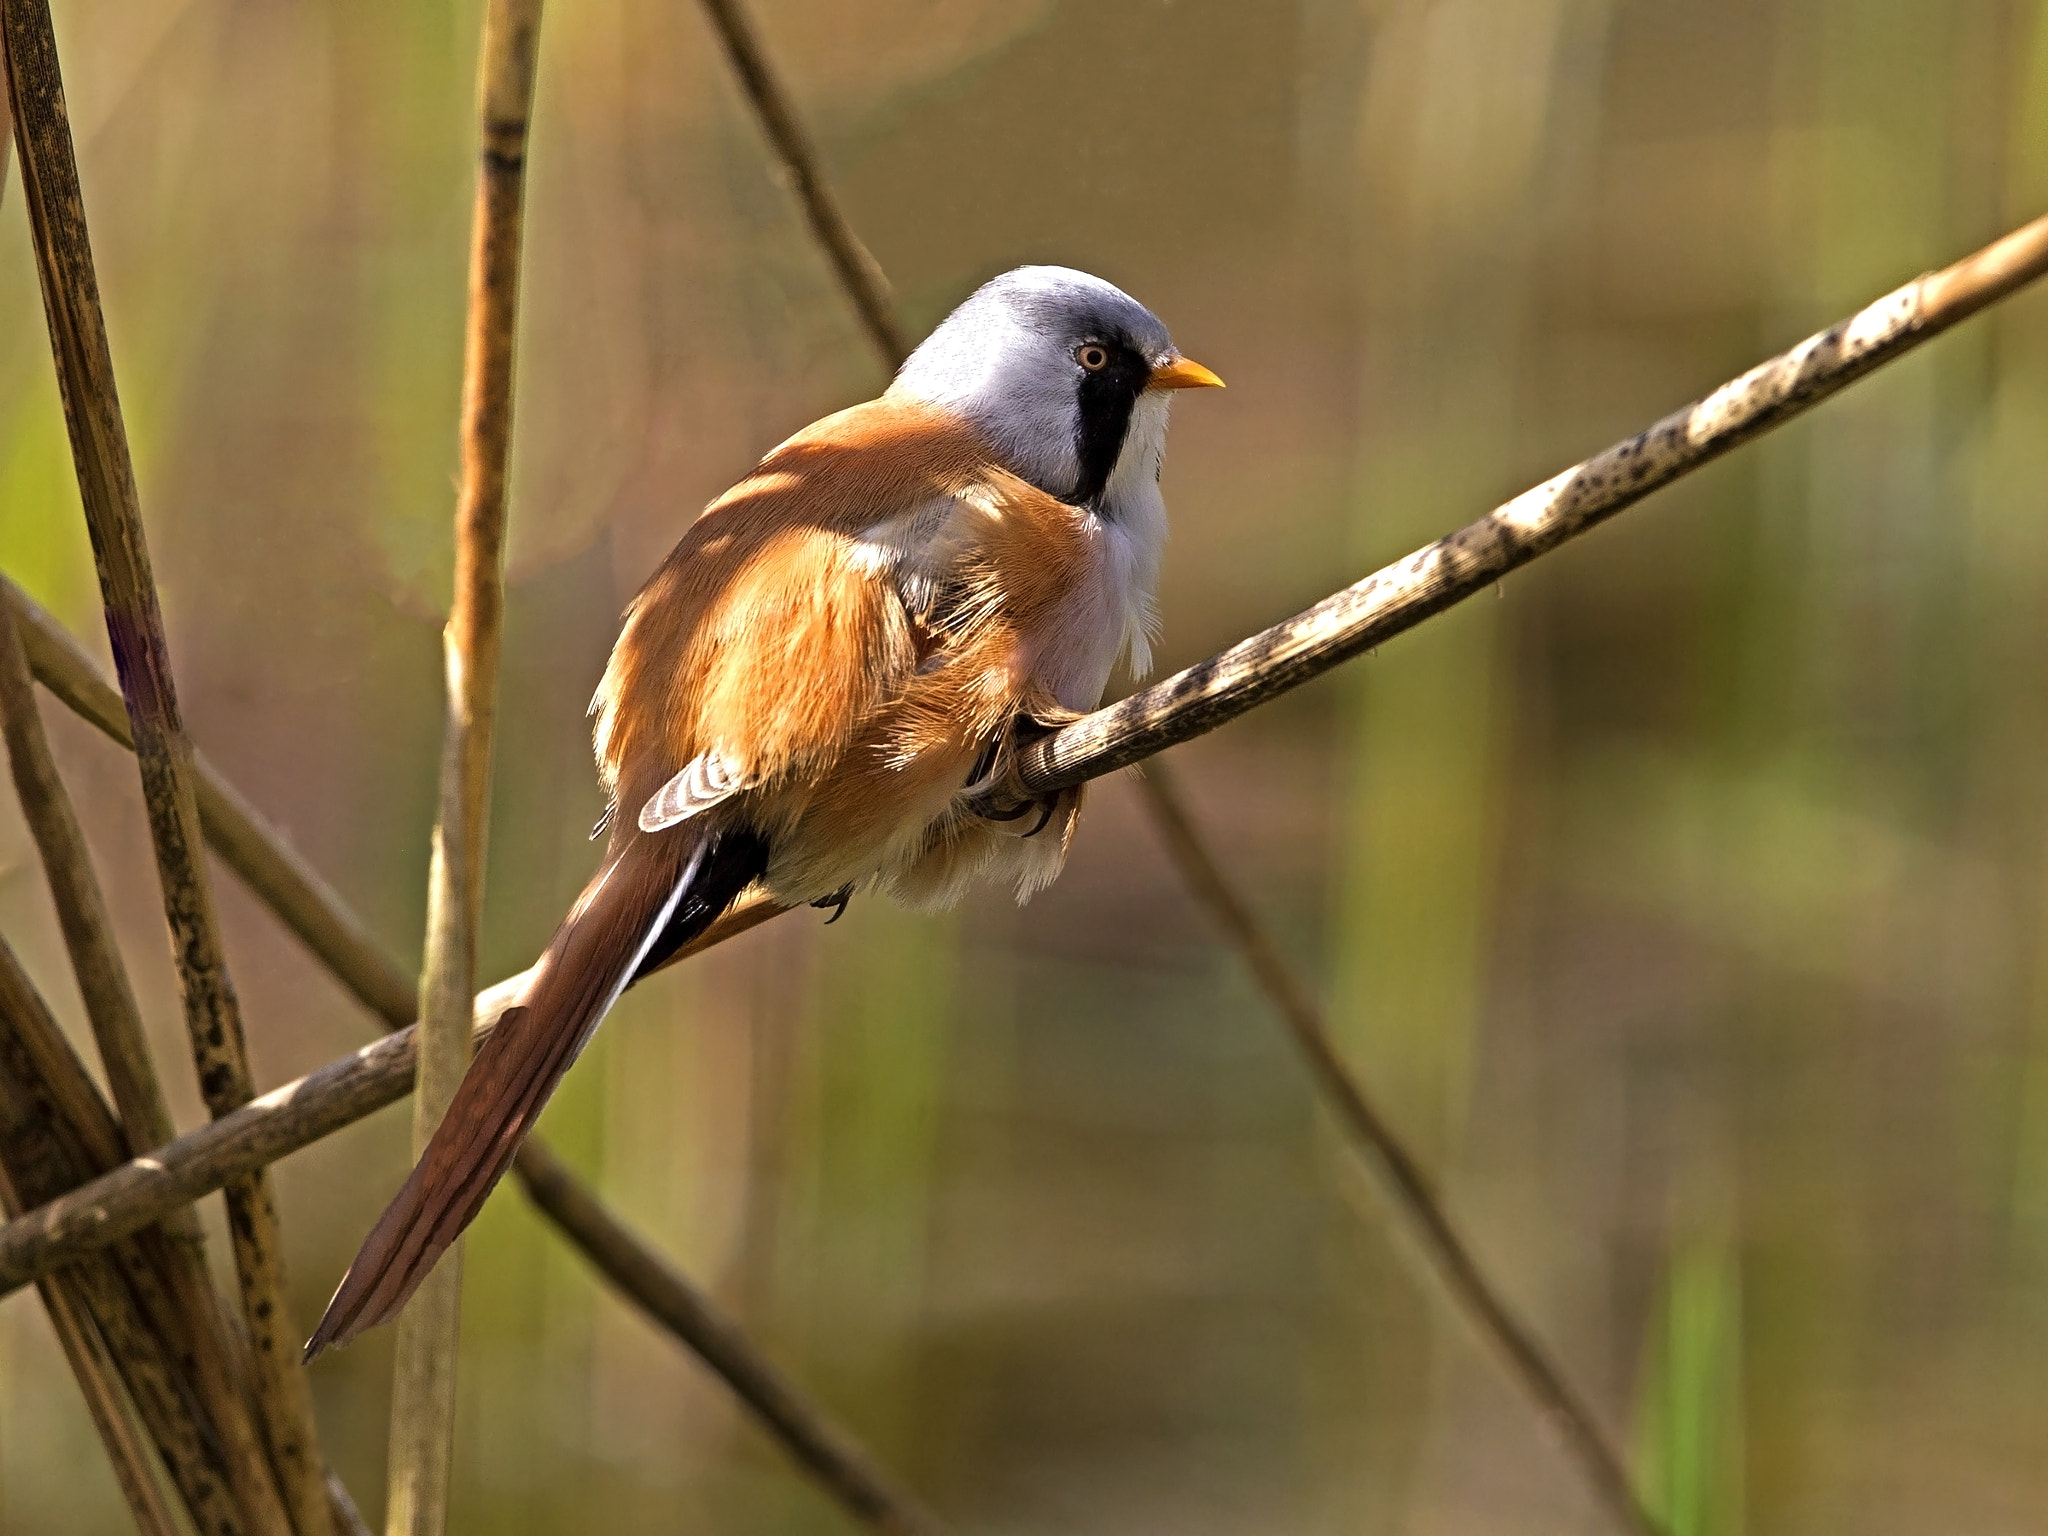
{"points": [[655, 892]]}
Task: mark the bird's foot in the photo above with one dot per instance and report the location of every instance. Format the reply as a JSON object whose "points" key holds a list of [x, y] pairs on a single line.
{"points": [[996, 785], [835, 903], [1045, 805]]}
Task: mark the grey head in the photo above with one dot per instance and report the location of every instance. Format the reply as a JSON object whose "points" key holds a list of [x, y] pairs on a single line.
{"points": [[1051, 365]]}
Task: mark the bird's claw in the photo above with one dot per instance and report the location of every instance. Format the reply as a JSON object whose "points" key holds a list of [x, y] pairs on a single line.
{"points": [[994, 781]]}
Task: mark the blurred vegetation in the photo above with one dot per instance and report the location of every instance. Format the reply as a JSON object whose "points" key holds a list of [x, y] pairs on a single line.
{"points": [[1685, 904]]}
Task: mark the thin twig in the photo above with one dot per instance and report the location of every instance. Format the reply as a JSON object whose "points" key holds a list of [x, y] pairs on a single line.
{"points": [[217, 1355], [667, 1295], [429, 1330], [85, 372], [798, 159], [1401, 1175]]}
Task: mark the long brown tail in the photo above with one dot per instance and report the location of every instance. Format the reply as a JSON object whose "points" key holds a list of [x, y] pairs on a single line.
{"points": [[654, 894]]}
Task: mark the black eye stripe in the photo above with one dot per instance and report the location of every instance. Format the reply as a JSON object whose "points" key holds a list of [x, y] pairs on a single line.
{"points": [[1106, 397]]}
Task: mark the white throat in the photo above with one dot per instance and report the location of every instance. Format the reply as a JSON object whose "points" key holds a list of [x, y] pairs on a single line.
{"points": [[1110, 617]]}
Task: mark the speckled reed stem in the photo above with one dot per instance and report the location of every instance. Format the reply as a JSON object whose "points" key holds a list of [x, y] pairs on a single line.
{"points": [[1397, 598]]}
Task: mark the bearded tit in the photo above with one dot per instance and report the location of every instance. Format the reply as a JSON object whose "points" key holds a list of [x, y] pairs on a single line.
{"points": [[834, 660]]}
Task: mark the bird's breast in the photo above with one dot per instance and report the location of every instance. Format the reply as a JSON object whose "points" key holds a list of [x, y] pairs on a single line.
{"points": [[1107, 610]]}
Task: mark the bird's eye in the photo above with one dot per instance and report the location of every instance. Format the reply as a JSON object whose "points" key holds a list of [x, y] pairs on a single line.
{"points": [[1093, 356]]}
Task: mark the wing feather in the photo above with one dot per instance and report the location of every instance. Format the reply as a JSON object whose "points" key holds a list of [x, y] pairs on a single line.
{"points": [[707, 781], [876, 595]]}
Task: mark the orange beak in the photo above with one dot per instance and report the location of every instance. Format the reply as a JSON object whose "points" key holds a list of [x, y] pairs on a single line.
{"points": [[1182, 373]]}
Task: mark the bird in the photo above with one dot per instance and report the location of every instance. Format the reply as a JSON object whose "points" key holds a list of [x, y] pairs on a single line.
{"points": [[820, 687]]}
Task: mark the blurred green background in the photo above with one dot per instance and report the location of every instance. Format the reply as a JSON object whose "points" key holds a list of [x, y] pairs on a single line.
{"points": [[1684, 904]]}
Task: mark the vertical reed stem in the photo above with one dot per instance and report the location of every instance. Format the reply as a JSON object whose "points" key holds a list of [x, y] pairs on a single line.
{"points": [[423, 1394]]}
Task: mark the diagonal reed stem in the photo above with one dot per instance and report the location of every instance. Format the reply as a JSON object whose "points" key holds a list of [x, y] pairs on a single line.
{"points": [[54, 1132], [92, 411], [115, 1416], [1401, 1176], [82, 914], [429, 1330]]}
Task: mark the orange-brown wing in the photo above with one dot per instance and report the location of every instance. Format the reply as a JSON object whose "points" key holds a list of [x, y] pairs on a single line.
{"points": [[809, 596]]}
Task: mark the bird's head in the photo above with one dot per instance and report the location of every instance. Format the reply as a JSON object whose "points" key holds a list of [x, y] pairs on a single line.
{"points": [[1066, 376]]}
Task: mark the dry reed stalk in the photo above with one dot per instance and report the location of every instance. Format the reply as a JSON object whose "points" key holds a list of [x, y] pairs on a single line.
{"points": [[429, 1330], [64, 265], [217, 1354], [54, 1132], [115, 1417], [838, 1461]]}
